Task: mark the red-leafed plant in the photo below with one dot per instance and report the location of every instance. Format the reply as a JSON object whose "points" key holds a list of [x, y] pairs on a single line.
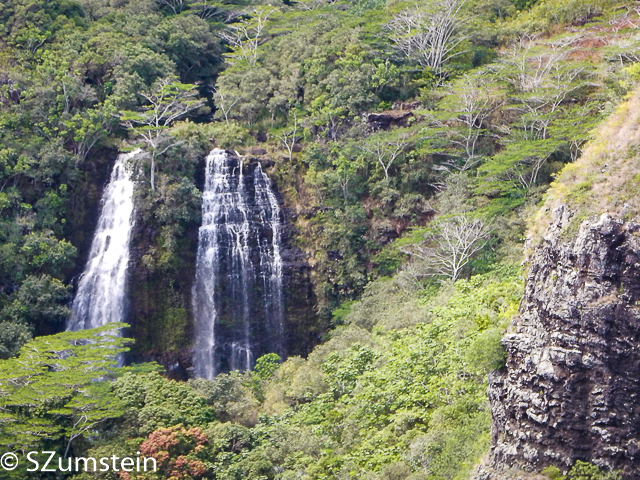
{"points": [[175, 450]]}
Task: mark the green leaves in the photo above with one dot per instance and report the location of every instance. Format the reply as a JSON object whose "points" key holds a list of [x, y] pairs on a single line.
{"points": [[245, 36], [413, 394], [166, 101], [56, 386], [153, 402], [90, 126], [266, 365], [42, 301], [344, 371], [587, 471], [43, 251]]}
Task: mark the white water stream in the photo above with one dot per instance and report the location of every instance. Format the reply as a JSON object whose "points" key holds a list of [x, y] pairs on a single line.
{"points": [[100, 298]]}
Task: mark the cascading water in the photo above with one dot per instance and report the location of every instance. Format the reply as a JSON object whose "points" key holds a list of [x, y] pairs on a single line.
{"points": [[101, 291], [238, 292]]}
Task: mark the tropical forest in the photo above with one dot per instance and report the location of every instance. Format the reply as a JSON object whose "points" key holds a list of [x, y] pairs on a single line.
{"points": [[319, 239]]}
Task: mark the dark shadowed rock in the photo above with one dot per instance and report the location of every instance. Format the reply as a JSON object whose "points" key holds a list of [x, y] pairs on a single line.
{"points": [[258, 151], [389, 118], [572, 380]]}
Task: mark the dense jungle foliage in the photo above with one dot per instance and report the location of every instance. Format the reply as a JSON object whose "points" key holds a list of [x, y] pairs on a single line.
{"points": [[390, 127]]}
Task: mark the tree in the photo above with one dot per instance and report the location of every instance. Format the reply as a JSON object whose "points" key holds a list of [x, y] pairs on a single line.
{"points": [[386, 150], [225, 100], [176, 6], [206, 9], [43, 252], [288, 136], [13, 335], [543, 79], [471, 101], [587, 471], [56, 387], [429, 33], [449, 244], [344, 171], [167, 101], [575, 125], [176, 451], [154, 402], [230, 396], [519, 164], [40, 301], [310, 5], [245, 36], [266, 365]]}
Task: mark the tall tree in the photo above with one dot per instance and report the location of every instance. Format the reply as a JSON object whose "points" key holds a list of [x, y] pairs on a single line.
{"points": [[245, 36], [429, 33], [449, 245], [470, 103], [167, 101], [288, 136], [387, 148]]}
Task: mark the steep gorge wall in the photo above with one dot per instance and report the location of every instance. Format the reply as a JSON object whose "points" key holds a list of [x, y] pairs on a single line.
{"points": [[571, 387]]}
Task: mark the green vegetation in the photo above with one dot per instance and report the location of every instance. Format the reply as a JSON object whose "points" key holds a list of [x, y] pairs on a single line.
{"points": [[505, 98], [50, 396], [411, 156], [373, 400], [596, 179], [580, 471]]}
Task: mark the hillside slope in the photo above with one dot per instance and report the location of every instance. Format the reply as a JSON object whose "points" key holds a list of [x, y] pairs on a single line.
{"points": [[571, 384]]}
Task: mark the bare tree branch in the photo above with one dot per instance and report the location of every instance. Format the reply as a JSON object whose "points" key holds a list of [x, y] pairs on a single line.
{"points": [[224, 101], [176, 6], [449, 246], [289, 138], [387, 151], [245, 36], [429, 33]]}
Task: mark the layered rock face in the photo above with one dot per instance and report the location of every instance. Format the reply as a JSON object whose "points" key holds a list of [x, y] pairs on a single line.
{"points": [[571, 387]]}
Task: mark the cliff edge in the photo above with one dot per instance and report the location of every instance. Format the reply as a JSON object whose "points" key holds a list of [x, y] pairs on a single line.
{"points": [[571, 386]]}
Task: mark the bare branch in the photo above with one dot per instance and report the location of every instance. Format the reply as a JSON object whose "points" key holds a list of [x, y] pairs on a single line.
{"points": [[289, 138], [224, 101], [176, 6], [386, 152], [429, 34], [451, 244], [245, 36]]}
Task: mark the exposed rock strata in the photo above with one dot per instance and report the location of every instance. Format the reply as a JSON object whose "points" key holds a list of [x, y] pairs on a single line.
{"points": [[571, 385]]}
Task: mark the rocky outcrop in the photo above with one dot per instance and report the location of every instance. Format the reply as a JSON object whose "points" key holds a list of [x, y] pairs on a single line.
{"points": [[571, 386], [11, 93], [389, 118]]}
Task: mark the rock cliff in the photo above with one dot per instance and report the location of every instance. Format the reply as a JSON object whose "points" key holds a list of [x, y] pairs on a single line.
{"points": [[571, 386], [161, 315]]}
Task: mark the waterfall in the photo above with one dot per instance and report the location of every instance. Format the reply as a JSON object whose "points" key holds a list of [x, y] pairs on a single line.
{"points": [[101, 291], [238, 292]]}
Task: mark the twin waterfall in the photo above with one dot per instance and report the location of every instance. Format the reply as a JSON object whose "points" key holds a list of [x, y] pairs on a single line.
{"points": [[101, 291], [238, 292], [238, 299]]}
